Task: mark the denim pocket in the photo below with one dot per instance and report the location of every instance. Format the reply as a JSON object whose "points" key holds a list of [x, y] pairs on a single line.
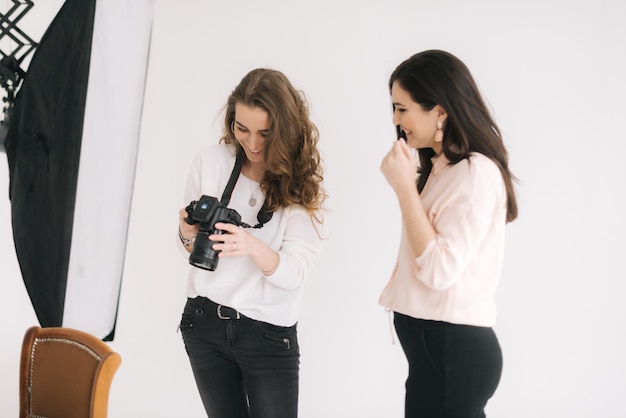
{"points": [[286, 339], [186, 322]]}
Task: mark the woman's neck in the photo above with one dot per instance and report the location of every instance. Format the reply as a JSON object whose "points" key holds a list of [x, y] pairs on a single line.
{"points": [[253, 171]]}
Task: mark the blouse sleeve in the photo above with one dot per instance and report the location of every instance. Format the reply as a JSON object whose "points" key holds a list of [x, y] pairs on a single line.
{"points": [[461, 225]]}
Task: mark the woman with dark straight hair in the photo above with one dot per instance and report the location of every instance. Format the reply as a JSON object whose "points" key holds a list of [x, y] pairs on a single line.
{"points": [[454, 212]]}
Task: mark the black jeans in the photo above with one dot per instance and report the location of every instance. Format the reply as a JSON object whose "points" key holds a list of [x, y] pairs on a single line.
{"points": [[243, 368], [453, 369]]}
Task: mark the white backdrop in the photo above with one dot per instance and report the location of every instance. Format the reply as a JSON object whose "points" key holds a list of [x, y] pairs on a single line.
{"points": [[553, 72]]}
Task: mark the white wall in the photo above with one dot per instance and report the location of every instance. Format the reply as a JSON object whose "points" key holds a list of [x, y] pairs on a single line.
{"points": [[552, 70]]}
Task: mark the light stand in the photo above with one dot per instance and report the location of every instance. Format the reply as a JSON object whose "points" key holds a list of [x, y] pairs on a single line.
{"points": [[11, 73]]}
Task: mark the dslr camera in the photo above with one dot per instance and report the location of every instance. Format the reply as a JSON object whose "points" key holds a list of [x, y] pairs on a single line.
{"points": [[207, 212]]}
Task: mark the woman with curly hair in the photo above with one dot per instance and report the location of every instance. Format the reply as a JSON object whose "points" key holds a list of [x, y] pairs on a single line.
{"points": [[239, 322]]}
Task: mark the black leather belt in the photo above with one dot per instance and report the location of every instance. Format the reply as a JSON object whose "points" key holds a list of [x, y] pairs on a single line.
{"points": [[223, 312]]}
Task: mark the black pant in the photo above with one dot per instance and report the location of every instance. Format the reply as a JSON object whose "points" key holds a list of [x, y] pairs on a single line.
{"points": [[453, 369], [243, 368]]}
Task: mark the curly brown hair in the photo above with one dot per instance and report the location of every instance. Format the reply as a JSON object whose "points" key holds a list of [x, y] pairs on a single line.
{"points": [[293, 170]]}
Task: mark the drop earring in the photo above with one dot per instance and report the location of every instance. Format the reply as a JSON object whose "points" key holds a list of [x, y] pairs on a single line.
{"points": [[439, 132]]}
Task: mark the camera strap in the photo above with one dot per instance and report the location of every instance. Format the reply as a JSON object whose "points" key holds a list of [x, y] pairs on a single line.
{"points": [[264, 214], [234, 175]]}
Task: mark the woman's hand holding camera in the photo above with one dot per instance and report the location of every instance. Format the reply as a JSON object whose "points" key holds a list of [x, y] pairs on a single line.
{"points": [[187, 233], [237, 242], [233, 242]]}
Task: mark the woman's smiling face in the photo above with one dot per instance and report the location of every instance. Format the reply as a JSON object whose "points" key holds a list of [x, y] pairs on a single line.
{"points": [[419, 125], [250, 127]]}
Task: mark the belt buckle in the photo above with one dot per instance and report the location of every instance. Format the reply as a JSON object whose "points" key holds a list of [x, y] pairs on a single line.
{"points": [[220, 316]]}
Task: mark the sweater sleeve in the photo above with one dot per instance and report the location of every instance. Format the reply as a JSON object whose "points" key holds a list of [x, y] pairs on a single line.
{"points": [[301, 246], [191, 191], [204, 177]]}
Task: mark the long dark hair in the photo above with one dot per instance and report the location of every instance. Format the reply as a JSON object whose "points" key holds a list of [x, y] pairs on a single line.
{"points": [[436, 77]]}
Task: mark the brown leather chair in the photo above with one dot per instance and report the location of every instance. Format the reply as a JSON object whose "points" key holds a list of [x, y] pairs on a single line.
{"points": [[65, 373]]}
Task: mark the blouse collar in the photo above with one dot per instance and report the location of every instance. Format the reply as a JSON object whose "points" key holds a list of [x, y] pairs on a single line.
{"points": [[439, 161]]}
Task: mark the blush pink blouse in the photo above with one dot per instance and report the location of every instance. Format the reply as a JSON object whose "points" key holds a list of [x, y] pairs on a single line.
{"points": [[456, 276]]}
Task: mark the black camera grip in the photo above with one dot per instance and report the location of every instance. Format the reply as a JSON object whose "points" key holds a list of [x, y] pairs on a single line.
{"points": [[189, 210]]}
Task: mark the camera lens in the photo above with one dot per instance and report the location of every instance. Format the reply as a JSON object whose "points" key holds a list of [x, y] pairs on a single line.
{"points": [[203, 255]]}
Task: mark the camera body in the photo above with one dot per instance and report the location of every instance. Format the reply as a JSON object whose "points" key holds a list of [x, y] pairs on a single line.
{"points": [[207, 212]]}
